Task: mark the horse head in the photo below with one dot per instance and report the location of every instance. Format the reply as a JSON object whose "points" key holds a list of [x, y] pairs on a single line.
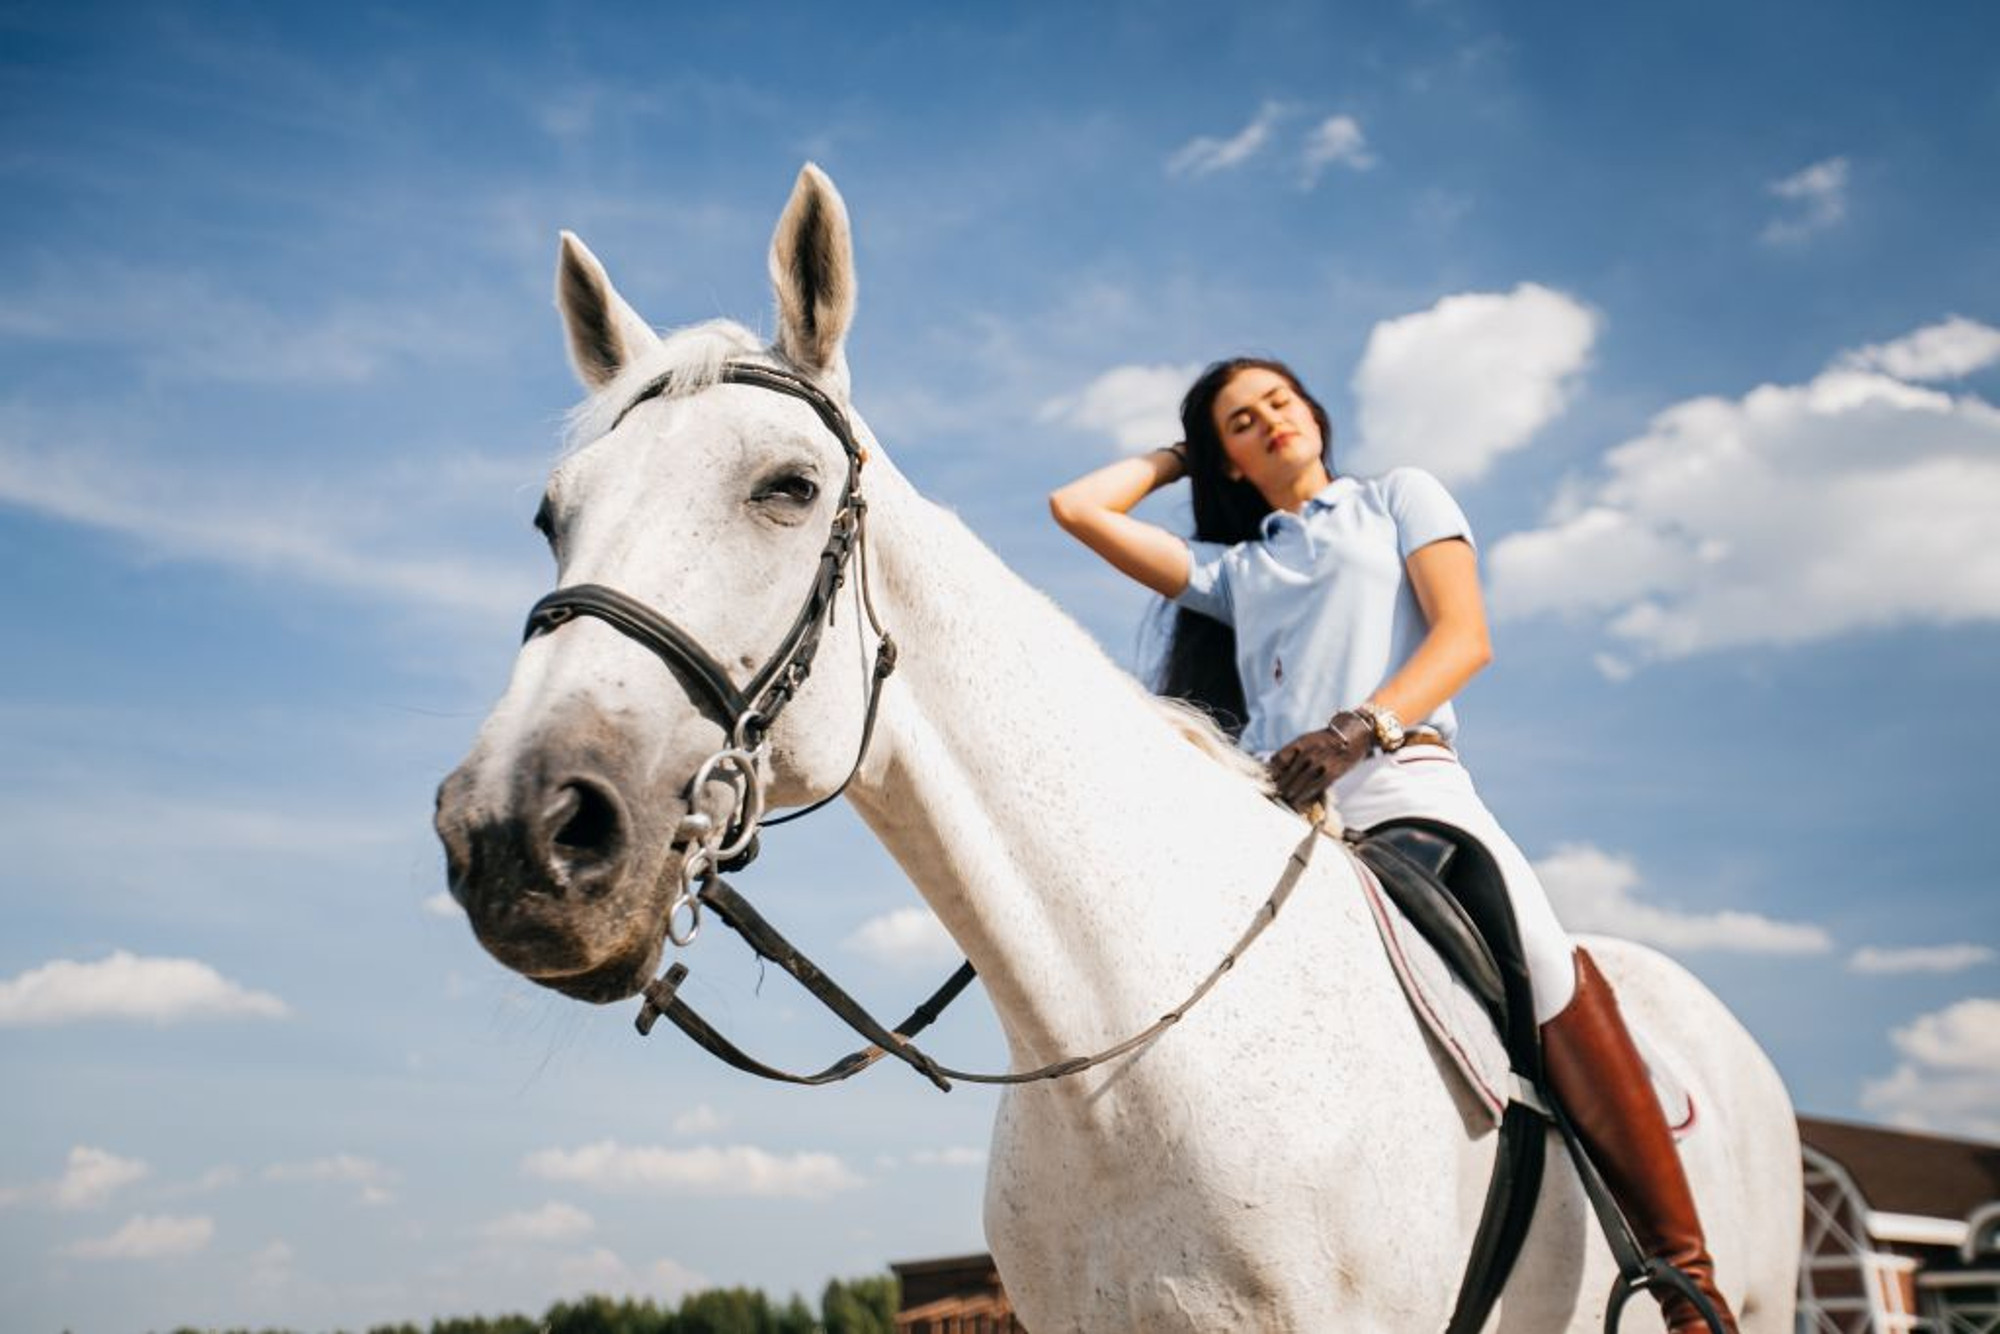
{"points": [[694, 499]]}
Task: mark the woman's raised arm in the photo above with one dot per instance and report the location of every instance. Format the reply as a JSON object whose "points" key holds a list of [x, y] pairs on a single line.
{"points": [[1094, 509]]}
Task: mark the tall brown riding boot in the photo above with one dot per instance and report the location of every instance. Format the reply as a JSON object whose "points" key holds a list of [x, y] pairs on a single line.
{"points": [[1600, 1079]]}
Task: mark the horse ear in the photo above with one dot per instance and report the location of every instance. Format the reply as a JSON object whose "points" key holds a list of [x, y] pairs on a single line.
{"points": [[605, 334], [812, 268]]}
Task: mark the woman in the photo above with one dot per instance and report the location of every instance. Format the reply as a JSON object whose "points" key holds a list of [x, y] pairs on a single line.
{"points": [[1333, 619]]}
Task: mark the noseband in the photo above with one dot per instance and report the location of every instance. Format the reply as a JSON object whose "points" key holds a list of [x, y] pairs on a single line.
{"points": [[747, 713]]}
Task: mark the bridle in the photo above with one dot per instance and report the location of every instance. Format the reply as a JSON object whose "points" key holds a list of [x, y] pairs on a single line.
{"points": [[709, 845]]}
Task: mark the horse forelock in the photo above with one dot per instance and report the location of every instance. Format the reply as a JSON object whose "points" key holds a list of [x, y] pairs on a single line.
{"points": [[691, 359]]}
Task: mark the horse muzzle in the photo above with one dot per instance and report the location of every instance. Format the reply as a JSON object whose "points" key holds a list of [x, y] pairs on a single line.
{"points": [[564, 873]]}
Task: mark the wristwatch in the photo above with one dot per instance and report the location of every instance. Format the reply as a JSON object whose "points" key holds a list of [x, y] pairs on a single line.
{"points": [[1389, 733]]}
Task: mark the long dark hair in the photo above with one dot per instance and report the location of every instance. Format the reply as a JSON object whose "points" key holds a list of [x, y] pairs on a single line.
{"points": [[1199, 664]]}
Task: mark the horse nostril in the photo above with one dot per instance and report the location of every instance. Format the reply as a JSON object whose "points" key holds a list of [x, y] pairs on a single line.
{"points": [[587, 823], [585, 837]]}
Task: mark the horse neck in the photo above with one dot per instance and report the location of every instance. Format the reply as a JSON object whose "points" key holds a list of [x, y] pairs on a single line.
{"points": [[1073, 843]]}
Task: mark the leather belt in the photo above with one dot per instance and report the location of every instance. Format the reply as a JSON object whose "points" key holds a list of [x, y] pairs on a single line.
{"points": [[1424, 739]]}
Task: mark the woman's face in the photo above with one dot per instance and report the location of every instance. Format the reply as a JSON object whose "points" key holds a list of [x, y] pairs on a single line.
{"points": [[1268, 433]]}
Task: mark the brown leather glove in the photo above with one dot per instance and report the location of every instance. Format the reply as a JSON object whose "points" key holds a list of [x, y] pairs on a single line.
{"points": [[1304, 769]]}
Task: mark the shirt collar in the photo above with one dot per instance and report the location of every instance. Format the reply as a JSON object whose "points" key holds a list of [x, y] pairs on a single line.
{"points": [[1328, 497]]}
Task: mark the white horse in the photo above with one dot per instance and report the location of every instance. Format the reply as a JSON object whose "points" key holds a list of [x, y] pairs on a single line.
{"points": [[1293, 1156]]}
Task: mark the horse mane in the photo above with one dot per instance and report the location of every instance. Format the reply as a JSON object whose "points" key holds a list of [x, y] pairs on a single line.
{"points": [[691, 359], [1198, 729]]}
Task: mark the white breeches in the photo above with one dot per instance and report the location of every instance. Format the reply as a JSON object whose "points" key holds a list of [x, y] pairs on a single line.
{"points": [[1429, 781]]}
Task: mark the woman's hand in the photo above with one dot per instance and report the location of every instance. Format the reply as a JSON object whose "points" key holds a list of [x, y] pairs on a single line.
{"points": [[1310, 764]]}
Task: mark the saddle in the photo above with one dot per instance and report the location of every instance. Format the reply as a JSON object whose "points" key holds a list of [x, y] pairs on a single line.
{"points": [[1449, 928]]}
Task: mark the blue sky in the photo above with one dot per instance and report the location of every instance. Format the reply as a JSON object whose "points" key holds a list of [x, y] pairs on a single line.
{"points": [[1694, 306]]}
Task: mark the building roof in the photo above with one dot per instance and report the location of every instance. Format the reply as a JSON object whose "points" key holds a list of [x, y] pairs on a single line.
{"points": [[1908, 1172], [950, 1264]]}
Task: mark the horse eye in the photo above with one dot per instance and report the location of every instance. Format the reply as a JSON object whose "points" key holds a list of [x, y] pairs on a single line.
{"points": [[545, 521], [797, 488]]}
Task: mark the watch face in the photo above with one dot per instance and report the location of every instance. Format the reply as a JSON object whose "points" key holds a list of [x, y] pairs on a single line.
{"points": [[1388, 728]]}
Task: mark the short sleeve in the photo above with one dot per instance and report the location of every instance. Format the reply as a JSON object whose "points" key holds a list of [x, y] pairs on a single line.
{"points": [[1423, 510], [1207, 588]]}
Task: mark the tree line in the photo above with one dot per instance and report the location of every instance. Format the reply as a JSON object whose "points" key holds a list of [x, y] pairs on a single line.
{"points": [[852, 1306]]}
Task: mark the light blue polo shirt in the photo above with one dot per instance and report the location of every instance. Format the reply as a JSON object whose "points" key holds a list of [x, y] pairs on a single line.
{"points": [[1322, 603]]}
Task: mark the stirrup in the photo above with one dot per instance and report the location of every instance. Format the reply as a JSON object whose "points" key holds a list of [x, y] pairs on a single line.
{"points": [[1655, 1273]]}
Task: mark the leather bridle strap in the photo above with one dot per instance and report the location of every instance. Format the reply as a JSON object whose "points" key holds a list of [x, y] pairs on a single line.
{"points": [[635, 620], [661, 998], [779, 679]]}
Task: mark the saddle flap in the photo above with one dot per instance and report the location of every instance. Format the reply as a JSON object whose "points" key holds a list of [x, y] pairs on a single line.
{"points": [[1409, 863]]}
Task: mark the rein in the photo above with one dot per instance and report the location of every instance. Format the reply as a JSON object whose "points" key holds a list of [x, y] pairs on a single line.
{"points": [[661, 998], [709, 847]]}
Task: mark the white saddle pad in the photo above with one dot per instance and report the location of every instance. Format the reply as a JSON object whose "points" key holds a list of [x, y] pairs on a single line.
{"points": [[1456, 1019]]}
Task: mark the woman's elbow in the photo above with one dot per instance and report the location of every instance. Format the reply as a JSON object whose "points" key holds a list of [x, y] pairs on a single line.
{"points": [[1066, 510], [1470, 646], [1479, 650]]}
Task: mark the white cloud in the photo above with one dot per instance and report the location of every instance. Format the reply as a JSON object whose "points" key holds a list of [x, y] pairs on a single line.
{"points": [[1205, 154], [442, 904], [334, 1167], [1949, 1080], [1951, 349], [700, 1119], [93, 1176], [351, 1169], [90, 1177], [1818, 195], [148, 1237], [596, 1270], [126, 986], [737, 1170], [1454, 387], [1920, 958], [904, 937], [1964, 1036], [1139, 407], [554, 1221], [671, 1280], [1335, 140], [1593, 890], [185, 514], [1856, 501], [602, 1269], [956, 1156]]}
